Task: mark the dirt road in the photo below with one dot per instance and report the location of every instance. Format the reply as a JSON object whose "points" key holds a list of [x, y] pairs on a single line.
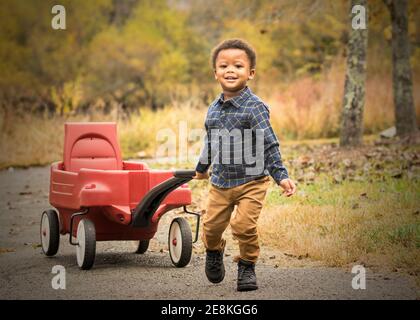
{"points": [[25, 273]]}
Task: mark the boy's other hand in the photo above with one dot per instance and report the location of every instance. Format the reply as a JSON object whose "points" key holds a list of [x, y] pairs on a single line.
{"points": [[289, 187], [201, 176]]}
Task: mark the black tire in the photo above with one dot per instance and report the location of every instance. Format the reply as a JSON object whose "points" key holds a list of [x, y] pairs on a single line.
{"points": [[86, 257], [186, 243], [50, 246], [142, 246]]}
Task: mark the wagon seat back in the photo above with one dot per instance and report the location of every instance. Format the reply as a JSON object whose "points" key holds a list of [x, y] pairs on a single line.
{"points": [[92, 145]]}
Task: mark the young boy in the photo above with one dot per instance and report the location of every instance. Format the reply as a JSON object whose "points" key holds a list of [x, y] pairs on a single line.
{"points": [[247, 154]]}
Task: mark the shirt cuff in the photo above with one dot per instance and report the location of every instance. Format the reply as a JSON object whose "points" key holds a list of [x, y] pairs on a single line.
{"points": [[202, 167], [279, 175]]}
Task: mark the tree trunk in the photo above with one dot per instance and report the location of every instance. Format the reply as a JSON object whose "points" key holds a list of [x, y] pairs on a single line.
{"points": [[354, 87], [405, 114]]}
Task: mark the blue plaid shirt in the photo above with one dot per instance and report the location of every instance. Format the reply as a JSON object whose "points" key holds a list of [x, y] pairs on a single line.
{"points": [[239, 131]]}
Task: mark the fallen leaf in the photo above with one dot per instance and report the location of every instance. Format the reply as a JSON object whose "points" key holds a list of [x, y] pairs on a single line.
{"points": [[304, 256], [370, 155], [305, 160], [300, 178], [415, 162], [378, 166], [337, 179], [347, 163], [397, 174], [6, 250], [408, 156]]}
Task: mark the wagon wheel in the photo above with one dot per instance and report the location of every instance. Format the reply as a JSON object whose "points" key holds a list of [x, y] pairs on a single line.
{"points": [[50, 232], [86, 244], [180, 242], [142, 246]]}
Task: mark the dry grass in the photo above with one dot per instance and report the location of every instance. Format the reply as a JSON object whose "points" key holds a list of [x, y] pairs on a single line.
{"points": [[326, 222], [307, 108], [145, 132], [377, 224], [310, 107], [374, 221], [30, 141], [35, 140]]}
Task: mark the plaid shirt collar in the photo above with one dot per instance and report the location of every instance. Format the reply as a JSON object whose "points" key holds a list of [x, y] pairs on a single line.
{"points": [[238, 100]]}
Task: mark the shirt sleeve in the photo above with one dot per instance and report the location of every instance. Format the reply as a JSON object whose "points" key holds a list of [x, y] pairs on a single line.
{"points": [[260, 119], [204, 161]]}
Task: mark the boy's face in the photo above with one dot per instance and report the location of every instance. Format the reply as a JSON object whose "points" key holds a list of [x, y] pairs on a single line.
{"points": [[233, 70]]}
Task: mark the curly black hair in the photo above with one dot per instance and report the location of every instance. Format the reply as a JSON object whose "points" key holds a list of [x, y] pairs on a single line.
{"points": [[235, 44]]}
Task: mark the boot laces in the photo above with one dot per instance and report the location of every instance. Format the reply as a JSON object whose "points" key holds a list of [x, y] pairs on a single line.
{"points": [[214, 260], [246, 271]]}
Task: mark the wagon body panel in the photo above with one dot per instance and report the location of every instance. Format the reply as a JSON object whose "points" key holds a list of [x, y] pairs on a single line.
{"points": [[93, 176], [111, 195]]}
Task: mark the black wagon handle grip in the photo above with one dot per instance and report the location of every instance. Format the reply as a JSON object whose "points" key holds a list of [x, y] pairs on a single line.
{"points": [[184, 173], [144, 211]]}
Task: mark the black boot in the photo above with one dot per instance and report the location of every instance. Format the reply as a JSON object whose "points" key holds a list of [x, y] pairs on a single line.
{"points": [[247, 280], [215, 269]]}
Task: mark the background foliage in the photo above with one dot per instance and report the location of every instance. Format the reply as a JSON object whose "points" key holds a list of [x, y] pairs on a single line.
{"points": [[147, 54]]}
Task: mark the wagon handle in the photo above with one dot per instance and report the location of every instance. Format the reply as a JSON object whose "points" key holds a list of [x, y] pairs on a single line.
{"points": [[184, 173], [151, 201], [74, 215], [198, 215]]}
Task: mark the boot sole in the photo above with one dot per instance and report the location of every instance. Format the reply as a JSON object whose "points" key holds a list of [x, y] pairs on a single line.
{"points": [[218, 280], [247, 287]]}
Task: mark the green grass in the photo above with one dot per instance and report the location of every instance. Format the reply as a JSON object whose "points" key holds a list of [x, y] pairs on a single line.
{"points": [[348, 193], [377, 222]]}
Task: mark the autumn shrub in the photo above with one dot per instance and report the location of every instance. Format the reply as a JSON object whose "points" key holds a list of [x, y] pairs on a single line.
{"points": [[310, 107]]}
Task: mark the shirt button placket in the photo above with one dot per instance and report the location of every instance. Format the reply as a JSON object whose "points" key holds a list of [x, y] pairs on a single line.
{"points": [[223, 115]]}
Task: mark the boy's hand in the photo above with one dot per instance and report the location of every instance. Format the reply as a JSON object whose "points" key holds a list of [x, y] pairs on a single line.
{"points": [[201, 176], [289, 187]]}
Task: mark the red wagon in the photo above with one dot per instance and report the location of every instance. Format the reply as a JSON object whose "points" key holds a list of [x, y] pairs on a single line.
{"points": [[99, 197]]}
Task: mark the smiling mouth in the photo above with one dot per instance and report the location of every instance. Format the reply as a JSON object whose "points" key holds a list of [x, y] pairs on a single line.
{"points": [[231, 79]]}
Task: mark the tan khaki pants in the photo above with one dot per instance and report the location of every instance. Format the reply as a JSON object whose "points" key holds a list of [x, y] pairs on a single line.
{"points": [[249, 199]]}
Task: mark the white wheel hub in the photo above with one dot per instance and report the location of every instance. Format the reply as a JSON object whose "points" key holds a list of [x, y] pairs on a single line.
{"points": [[175, 242], [81, 243], [45, 232]]}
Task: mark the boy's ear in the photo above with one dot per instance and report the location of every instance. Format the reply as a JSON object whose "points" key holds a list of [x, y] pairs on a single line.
{"points": [[215, 75], [251, 74]]}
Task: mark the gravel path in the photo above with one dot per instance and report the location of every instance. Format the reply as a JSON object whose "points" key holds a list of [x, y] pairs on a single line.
{"points": [[25, 273]]}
